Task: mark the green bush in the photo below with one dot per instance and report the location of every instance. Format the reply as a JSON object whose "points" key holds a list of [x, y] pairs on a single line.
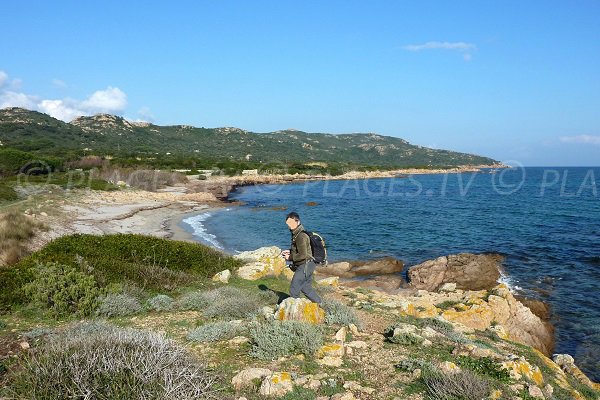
{"points": [[274, 339], [11, 161], [484, 366], [405, 339], [63, 290], [148, 262], [337, 312], [101, 361], [161, 302], [7, 193], [215, 331], [118, 305]]}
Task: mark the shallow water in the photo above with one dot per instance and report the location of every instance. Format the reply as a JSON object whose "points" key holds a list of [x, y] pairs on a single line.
{"points": [[546, 221]]}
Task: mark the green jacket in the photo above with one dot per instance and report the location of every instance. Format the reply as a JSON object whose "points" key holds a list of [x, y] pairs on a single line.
{"points": [[300, 251]]}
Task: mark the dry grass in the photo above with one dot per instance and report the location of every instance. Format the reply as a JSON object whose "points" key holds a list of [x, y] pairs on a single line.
{"points": [[16, 230]]}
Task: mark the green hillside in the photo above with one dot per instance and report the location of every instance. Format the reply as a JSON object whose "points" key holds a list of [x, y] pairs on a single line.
{"points": [[105, 134]]}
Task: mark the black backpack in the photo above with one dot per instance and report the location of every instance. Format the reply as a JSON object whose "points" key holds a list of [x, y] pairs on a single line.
{"points": [[317, 246]]}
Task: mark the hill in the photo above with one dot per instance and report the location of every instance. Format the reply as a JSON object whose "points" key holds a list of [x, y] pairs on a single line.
{"points": [[106, 134]]}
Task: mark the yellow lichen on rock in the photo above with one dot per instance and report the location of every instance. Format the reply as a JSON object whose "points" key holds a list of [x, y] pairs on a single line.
{"points": [[331, 349], [522, 368], [292, 309], [262, 262]]}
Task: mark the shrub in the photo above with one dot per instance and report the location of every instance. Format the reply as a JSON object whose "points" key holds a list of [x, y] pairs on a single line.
{"points": [[63, 290], [405, 338], [411, 364], [149, 262], [7, 193], [118, 305], [484, 366], [192, 301], [160, 302], [337, 312], [215, 331], [227, 302], [101, 361], [456, 385], [274, 339], [447, 304]]}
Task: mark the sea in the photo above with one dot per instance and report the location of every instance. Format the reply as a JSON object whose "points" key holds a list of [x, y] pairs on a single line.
{"points": [[544, 220]]}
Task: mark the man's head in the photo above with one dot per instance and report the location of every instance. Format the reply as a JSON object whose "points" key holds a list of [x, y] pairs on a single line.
{"points": [[292, 220]]}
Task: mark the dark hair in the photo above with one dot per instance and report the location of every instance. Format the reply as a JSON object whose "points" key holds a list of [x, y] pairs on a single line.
{"points": [[293, 215]]}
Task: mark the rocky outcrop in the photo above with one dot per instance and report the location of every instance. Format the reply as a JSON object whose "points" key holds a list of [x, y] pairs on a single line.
{"points": [[293, 309], [266, 261], [468, 271], [247, 376], [386, 283], [276, 385], [345, 269]]}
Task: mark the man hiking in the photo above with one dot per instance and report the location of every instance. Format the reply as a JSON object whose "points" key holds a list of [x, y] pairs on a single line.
{"points": [[300, 255]]}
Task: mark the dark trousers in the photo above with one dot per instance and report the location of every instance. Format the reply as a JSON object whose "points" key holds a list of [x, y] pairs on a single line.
{"points": [[302, 282]]}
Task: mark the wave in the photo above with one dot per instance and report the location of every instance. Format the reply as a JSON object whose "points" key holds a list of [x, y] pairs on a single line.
{"points": [[200, 231]]}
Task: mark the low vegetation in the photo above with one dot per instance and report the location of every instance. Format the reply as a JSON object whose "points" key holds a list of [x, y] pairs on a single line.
{"points": [[118, 305], [101, 361], [62, 290], [151, 263], [214, 331], [274, 339], [16, 230], [337, 312]]}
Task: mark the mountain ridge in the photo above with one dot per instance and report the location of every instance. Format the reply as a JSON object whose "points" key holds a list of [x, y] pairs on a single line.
{"points": [[104, 133]]}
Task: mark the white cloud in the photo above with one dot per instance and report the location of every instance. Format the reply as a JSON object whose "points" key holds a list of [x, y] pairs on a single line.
{"points": [[3, 78], [460, 46], [13, 99], [59, 109], [587, 139], [110, 100]]}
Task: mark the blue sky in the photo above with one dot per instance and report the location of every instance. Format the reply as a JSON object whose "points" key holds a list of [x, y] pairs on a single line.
{"points": [[513, 80]]}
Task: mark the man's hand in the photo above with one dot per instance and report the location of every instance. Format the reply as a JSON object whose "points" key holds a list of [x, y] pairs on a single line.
{"points": [[286, 254]]}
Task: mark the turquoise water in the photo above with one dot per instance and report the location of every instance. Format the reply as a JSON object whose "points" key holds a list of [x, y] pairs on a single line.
{"points": [[546, 221]]}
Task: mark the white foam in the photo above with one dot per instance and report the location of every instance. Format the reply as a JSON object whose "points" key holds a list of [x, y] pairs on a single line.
{"points": [[509, 282], [199, 230]]}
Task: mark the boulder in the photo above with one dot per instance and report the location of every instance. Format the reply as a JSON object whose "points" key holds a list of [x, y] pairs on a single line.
{"points": [[262, 262], [222, 276], [246, 376], [293, 309], [468, 271], [382, 266], [276, 384]]}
